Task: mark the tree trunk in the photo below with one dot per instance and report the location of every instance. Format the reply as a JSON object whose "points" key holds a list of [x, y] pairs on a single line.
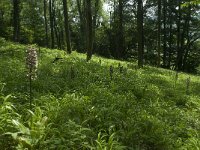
{"points": [[81, 9], [140, 33], [16, 20], [158, 33], [51, 2], [165, 35], [170, 33], [56, 30], [45, 22], [67, 32], [89, 29], [188, 44], [94, 23], [120, 37], [179, 51], [170, 44]]}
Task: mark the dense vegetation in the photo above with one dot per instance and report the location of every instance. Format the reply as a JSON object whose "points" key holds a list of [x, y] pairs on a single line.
{"points": [[163, 33], [80, 74], [95, 105]]}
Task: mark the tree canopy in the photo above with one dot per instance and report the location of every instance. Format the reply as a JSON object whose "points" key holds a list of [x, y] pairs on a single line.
{"points": [[163, 33]]}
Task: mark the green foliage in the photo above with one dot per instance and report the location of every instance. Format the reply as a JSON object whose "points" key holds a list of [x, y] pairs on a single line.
{"points": [[106, 142], [30, 137], [78, 106], [7, 110], [192, 2]]}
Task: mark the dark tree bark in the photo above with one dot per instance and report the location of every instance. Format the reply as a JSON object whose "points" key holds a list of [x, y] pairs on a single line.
{"points": [[114, 32], [170, 33], [165, 35], [179, 51], [81, 11], [158, 33], [140, 33], [94, 23], [188, 44], [61, 36], [1, 23], [170, 44], [120, 37], [51, 2], [45, 22], [56, 29], [89, 29], [16, 20], [67, 32]]}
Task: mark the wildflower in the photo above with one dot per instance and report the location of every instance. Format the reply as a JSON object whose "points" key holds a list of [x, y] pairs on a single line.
{"points": [[31, 61]]}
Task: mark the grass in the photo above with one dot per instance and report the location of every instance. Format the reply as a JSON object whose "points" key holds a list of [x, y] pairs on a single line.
{"points": [[78, 106]]}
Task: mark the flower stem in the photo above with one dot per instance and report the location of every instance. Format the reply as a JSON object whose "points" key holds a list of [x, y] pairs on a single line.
{"points": [[30, 88]]}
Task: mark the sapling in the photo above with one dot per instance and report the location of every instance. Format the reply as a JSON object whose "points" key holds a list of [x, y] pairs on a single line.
{"points": [[32, 65], [100, 61]]}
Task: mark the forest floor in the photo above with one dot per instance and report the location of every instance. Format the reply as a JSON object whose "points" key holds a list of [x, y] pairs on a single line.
{"points": [[90, 105]]}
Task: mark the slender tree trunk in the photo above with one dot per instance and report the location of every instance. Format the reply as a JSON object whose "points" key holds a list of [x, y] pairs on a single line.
{"points": [[94, 23], [16, 20], [185, 58], [45, 22], [89, 29], [56, 45], [158, 33], [67, 32], [2, 23], [81, 9], [114, 41], [170, 33], [1, 15], [55, 27], [170, 44], [140, 33], [187, 46], [165, 35], [120, 42], [61, 38], [51, 2], [179, 51], [56, 30]]}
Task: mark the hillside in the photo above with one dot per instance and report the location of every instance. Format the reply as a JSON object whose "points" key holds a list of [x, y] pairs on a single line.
{"points": [[78, 105]]}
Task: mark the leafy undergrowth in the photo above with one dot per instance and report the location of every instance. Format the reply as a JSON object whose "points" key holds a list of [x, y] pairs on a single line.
{"points": [[78, 106]]}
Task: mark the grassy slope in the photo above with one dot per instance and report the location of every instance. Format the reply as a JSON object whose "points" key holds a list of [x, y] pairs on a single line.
{"points": [[143, 107]]}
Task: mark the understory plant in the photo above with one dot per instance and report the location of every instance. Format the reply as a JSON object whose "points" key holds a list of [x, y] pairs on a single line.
{"points": [[31, 64], [29, 134]]}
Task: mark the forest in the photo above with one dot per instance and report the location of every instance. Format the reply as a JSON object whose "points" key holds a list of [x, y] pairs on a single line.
{"points": [[163, 33], [100, 74]]}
